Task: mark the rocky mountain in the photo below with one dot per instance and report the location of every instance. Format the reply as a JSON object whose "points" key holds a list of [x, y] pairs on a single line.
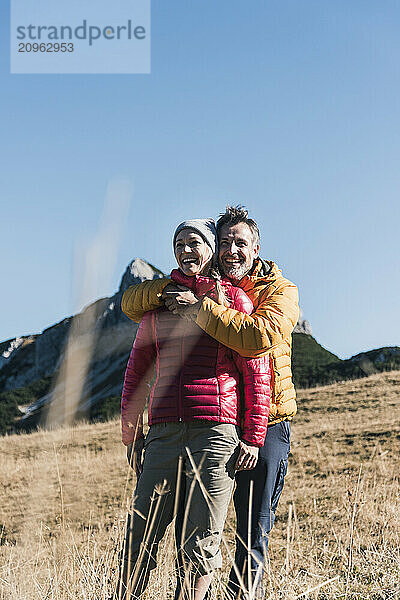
{"points": [[303, 326], [75, 369], [32, 369]]}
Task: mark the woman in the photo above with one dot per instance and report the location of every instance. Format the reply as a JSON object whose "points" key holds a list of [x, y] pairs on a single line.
{"points": [[192, 446]]}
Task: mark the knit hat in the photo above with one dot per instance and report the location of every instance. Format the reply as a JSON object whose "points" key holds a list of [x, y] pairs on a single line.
{"points": [[205, 227]]}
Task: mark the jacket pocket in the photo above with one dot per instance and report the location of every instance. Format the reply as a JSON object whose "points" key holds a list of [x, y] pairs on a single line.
{"points": [[280, 478], [154, 432], [286, 432]]}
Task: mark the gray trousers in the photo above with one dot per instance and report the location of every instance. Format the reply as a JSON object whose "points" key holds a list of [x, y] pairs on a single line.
{"points": [[188, 465]]}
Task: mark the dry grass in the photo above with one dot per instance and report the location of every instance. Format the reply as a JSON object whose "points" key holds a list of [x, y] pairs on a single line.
{"points": [[63, 496]]}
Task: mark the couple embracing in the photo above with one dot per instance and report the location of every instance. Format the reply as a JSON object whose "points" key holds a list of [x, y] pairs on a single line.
{"points": [[214, 347]]}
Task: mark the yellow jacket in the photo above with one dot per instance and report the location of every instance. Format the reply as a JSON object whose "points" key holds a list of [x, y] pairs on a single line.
{"points": [[268, 330]]}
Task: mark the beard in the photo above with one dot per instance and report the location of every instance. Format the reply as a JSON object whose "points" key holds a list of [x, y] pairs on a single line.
{"points": [[235, 272]]}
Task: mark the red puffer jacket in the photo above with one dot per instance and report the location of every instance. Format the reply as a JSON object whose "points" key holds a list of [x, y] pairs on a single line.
{"points": [[196, 377]]}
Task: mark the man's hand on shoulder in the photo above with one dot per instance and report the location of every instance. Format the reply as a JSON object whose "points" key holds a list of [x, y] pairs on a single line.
{"points": [[181, 301], [248, 457]]}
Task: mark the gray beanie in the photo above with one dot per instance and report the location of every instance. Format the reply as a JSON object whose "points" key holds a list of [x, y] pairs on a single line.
{"points": [[205, 227]]}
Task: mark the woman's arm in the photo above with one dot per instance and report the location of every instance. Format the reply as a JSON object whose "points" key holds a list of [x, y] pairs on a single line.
{"points": [[143, 297], [257, 383], [256, 375], [138, 375]]}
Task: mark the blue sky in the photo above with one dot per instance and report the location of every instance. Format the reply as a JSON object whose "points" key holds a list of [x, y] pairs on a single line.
{"points": [[290, 108]]}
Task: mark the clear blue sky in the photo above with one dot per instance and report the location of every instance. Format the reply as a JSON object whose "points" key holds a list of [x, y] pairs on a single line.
{"points": [[290, 108]]}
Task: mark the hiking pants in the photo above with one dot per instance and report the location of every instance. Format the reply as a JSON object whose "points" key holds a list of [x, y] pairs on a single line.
{"points": [[267, 477], [173, 454]]}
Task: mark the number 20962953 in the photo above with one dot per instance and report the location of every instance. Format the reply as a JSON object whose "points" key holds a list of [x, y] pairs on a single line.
{"points": [[46, 47]]}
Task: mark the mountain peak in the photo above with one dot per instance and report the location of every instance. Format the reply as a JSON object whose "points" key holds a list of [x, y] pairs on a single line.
{"points": [[303, 326], [137, 271]]}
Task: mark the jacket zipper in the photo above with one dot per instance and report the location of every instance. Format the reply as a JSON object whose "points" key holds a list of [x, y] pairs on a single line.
{"points": [[180, 411], [271, 366]]}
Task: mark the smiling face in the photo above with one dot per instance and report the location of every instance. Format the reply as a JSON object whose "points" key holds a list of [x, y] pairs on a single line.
{"points": [[237, 250], [192, 252]]}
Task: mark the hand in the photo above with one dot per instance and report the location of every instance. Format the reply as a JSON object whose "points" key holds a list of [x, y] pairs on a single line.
{"points": [[171, 287], [181, 301], [169, 295], [134, 453], [248, 457]]}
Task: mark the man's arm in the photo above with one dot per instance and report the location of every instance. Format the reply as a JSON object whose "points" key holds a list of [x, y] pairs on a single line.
{"points": [[273, 320], [139, 299]]}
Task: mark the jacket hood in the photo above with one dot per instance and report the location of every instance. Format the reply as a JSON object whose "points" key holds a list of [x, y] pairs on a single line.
{"points": [[263, 268]]}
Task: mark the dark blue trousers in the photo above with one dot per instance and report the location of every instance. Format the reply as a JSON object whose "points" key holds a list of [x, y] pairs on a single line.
{"points": [[268, 478]]}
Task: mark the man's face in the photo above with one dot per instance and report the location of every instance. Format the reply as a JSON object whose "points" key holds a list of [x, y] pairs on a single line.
{"points": [[237, 250]]}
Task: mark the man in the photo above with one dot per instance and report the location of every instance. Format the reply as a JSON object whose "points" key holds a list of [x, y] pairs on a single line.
{"points": [[266, 331]]}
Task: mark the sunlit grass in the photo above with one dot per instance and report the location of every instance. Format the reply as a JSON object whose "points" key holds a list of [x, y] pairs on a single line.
{"points": [[64, 495]]}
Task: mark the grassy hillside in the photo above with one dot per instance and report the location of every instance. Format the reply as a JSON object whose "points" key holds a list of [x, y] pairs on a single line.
{"points": [[314, 365], [10, 401], [309, 360], [63, 497]]}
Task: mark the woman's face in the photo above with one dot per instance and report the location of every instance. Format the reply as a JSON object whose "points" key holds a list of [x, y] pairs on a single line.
{"points": [[192, 253]]}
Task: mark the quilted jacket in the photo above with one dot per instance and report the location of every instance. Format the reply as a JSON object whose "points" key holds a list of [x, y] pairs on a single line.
{"points": [[196, 378], [268, 330]]}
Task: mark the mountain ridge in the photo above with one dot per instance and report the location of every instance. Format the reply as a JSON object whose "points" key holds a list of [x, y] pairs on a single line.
{"points": [[32, 367]]}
